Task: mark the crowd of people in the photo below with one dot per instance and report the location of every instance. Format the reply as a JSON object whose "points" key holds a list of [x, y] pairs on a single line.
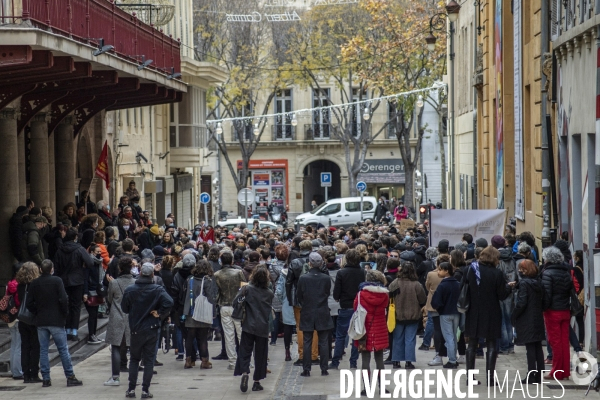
{"points": [[249, 287]]}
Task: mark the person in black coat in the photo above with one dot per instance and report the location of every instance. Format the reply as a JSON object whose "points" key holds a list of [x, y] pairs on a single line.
{"points": [[312, 294], [54, 238], [558, 284], [528, 320], [15, 228], [484, 317], [69, 264]]}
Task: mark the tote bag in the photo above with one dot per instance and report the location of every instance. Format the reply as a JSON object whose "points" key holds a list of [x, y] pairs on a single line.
{"points": [[203, 310], [357, 330]]}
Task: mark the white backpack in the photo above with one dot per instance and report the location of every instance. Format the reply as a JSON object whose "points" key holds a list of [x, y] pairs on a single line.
{"points": [[357, 330], [203, 310]]}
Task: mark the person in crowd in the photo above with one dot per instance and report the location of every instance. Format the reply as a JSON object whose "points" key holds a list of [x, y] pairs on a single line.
{"points": [[347, 283], [410, 297], [88, 206], [72, 264], [431, 284], [374, 297], [558, 284], [47, 300], [487, 288], [255, 329], [250, 264], [167, 241], [213, 258], [125, 229], [146, 303], [444, 301], [400, 212], [91, 299], [275, 267], [118, 334], [229, 280], [100, 240], [87, 229], [333, 268], [287, 311], [16, 232], [104, 213], [180, 296], [199, 283], [528, 319], [380, 210], [132, 191], [508, 267], [30, 345], [110, 239], [54, 238], [13, 327], [297, 269], [459, 267], [312, 293], [579, 281], [31, 243]]}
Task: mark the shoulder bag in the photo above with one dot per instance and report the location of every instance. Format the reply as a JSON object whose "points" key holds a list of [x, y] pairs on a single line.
{"points": [[576, 306], [239, 305], [391, 317], [8, 309], [357, 330], [464, 298], [203, 310], [25, 315]]}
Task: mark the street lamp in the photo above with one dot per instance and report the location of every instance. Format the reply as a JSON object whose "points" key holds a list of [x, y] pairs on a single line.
{"points": [[438, 22]]}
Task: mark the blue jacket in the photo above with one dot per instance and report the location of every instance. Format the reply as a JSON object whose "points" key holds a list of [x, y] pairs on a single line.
{"points": [[446, 296], [140, 299]]}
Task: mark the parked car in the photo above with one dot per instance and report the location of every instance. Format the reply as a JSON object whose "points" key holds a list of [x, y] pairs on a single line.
{"points": [[341, 212], [232, 223]]}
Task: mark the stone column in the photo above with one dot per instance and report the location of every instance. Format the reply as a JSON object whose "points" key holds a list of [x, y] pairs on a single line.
{"points": [[39, 190], [51, 176], [9, 187], [64, 162], [22, 175]]}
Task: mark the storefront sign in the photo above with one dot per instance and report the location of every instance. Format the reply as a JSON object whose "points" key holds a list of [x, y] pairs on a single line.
{"points": [[388, 170], [267, 164], [257, 17], [261, 179]]}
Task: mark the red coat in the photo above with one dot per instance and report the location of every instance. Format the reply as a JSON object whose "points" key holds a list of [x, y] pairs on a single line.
{"points": [[375, 300]]}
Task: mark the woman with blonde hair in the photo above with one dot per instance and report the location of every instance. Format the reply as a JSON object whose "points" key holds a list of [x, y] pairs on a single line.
{"points": [[30, 345]]}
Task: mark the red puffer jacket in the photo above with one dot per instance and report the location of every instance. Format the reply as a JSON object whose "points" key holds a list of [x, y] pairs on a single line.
{"points": [[375, 300]]}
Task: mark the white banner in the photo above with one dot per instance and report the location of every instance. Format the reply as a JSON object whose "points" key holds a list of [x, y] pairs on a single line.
{"points": [[518, 84], [452, 224]]}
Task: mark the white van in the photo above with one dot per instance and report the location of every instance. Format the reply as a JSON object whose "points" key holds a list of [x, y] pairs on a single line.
{"points": [[342, 212]]}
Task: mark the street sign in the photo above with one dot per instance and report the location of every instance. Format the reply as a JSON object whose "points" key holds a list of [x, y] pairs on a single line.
{"points": [[361, 186], [204, 198], [245, 197], [325, 179]]}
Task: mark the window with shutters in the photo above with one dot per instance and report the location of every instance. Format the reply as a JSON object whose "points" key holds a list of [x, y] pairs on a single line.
{"points": [[555, 18]]}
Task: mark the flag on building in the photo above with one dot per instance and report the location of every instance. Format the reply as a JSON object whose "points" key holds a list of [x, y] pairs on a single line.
{"points": [[102, 166]]}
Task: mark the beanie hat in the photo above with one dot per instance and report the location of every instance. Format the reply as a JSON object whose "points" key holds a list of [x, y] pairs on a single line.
{"points": [[498, 242], [481, 242]]}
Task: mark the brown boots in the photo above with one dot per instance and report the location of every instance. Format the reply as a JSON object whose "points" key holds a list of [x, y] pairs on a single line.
{"points": [[205, 363], [189, 363]]}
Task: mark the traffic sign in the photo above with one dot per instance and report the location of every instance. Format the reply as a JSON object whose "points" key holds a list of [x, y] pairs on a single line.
{"points": [[245, 197], [325, 179], [361, 186], [204, 198]]}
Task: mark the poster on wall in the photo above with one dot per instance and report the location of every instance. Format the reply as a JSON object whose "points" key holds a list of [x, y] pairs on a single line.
{"points": [[261, 179], [499, 123], [518, 107]]}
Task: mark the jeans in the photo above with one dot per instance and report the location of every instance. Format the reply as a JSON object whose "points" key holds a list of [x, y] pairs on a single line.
{"points": [[428, 330], [30, 349], [179, 341], [15, 351], [405, 342], [449, 325], [438, 339], [506, 342], [232, 328], [143, 347], [115, 357], [60, 340], [343, 322]]}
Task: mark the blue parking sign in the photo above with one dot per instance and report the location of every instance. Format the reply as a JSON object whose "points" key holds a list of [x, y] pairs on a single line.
{"points": [[325, 179]]}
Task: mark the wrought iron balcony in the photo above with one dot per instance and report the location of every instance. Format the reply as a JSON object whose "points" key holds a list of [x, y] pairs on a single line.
{"points": [[88, 21], [283, 132], [318, 131]]}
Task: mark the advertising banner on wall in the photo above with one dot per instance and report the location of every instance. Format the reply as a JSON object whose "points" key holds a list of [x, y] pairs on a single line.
{"points": [[387, 170], [499, 121], [518, 107], [452, 224]]}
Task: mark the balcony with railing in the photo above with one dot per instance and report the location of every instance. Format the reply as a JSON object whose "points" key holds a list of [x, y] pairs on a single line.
{"points": [[89, 21], [283, 132]]}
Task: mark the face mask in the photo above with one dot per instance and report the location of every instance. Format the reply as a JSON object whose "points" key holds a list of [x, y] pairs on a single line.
{"points": [[136, 204], [285, 235], [126, 228], [254, 237], [407, 237], [128, 214], [135, 271], [107, 208], [197, 232]]}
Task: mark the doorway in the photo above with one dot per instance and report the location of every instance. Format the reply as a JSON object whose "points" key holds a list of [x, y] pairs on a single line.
{"points": [[312, 182]]}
